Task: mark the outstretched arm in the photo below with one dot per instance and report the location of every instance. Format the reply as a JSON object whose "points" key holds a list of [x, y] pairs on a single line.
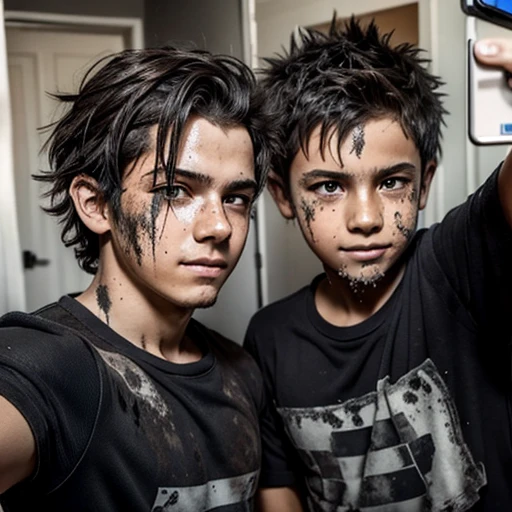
{"points": [[17, 446], [498, 52]]}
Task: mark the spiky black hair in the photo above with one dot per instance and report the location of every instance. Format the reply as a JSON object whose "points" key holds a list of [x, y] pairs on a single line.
{"points": [[345, 78]]}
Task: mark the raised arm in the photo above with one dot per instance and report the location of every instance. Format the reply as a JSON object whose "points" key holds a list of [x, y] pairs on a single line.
{"points": [[17, 446], [498, 52]]}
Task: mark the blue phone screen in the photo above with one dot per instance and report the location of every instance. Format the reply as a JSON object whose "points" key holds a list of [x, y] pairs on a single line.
{"points": [[502, 5]]}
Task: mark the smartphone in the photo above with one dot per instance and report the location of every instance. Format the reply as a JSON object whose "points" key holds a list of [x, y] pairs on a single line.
{"points": [[489, 107], [497, 12]]}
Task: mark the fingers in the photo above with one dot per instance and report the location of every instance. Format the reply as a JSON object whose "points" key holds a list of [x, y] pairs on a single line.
{"points": [[495, 52]]}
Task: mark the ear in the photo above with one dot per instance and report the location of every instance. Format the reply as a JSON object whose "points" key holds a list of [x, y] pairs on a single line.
{"points": [[89, 203], [277, 190], [426, 181]]}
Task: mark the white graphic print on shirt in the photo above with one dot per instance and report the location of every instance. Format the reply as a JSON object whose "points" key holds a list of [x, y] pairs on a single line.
{"points": [[399, 448], [211, 496]]}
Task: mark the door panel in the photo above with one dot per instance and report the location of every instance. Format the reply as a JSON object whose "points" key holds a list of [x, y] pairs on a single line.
{"points": [[42, 61]]}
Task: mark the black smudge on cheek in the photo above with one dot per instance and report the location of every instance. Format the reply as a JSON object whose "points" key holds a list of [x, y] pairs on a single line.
{"points": [[103, 300], [156, 207], [133, 227], [129, 227], [308, 209], [406, 231]]}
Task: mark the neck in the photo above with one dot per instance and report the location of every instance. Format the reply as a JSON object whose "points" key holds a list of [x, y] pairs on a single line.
{"points": [[343, 304], [145, 319]]}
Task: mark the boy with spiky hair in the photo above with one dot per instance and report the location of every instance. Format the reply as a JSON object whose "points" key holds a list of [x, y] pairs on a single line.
{"points": [[390, 372], [117, 399]]}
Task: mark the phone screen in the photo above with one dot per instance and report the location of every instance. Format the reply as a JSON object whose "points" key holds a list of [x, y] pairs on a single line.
{"points": [[502, 5]]}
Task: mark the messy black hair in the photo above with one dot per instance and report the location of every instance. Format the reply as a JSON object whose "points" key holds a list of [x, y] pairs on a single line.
{"points": [[118, 101], [344, 78]]}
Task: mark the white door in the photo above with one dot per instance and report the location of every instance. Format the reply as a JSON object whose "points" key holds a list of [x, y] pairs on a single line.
{"points": [[43, 61]]}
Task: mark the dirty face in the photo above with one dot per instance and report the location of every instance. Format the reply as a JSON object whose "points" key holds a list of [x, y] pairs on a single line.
{"points": [[180, 243], [358, 214]]}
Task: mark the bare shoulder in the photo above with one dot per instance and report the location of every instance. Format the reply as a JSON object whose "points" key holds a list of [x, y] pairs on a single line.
{"points": [[17, 446]]}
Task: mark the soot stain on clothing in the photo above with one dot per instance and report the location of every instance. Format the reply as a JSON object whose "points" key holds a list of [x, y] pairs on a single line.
{"points": [[242, 422], [410, 397], [103, 300], [146, 404], [358, 141]]}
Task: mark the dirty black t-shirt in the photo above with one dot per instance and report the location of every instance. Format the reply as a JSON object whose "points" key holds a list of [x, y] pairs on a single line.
{"points": [[409, 410], [117, 428]]}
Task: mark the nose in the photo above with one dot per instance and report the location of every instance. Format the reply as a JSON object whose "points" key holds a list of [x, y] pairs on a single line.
{"points": [[212, 223], [365, 213]]}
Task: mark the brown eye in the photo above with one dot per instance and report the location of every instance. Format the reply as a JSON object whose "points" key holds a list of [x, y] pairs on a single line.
{"points": [[237, 200], [394, 183], [331, 187], [170, 193]]}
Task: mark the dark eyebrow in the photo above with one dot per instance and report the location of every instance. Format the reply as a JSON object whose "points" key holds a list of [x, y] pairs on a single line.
{"points": [[379, 174], [206, 180], [328, 175], [408, 167], [235, 186], [201, 178]]}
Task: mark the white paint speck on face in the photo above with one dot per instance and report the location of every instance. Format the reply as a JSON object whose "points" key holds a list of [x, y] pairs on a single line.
{"points": [[187, 213], [192, 145]]}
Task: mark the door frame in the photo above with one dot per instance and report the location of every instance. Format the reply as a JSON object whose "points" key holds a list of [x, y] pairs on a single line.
{"points": [[131, 28]]}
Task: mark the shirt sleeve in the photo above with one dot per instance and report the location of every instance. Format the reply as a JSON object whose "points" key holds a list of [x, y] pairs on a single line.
{"points": [[473, 246], [278, 457], [53, 380]]}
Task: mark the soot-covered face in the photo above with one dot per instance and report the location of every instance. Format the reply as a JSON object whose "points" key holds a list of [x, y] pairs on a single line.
{"points": [[358, 213], [180, 243]]}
